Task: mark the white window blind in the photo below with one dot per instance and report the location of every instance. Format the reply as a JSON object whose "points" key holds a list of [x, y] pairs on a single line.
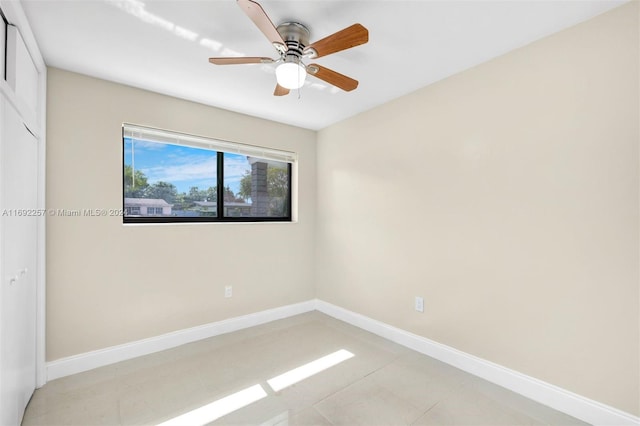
{"points": [[165, 136]]}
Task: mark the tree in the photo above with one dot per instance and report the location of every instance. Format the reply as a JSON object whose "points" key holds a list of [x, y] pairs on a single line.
{"points": [[277, 182], [179, 203], [134, 188], [195, 194], [212, 193], [163, 191], [229, 195], [245, 186]]}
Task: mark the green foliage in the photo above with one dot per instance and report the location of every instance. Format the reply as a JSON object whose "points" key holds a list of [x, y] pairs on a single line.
{"points": [[230, 196], [195, 194], [211, 193], [163, 191], [278, 182], [134, 188], [245, 186]]}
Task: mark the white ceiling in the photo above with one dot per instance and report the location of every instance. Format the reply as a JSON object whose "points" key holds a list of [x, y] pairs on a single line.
{"points": [[164, 46]]}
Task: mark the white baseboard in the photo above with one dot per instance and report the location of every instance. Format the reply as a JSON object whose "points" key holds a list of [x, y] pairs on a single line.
{"points": [[94, 359], [557, 398]]}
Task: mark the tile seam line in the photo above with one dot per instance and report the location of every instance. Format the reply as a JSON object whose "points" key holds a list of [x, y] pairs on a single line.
{"points": [[353, 383]]}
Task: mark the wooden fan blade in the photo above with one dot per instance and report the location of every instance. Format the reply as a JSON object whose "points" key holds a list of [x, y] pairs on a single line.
{"points": [[241, 60], [352, 36], [335, 78], [280, 91], [259, 17]]}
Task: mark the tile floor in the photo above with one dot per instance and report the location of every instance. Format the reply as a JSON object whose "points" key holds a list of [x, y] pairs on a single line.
{"points": [[382, 384]]}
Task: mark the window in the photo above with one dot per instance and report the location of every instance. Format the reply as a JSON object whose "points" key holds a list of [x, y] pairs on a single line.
{"points": [[174, 177]]}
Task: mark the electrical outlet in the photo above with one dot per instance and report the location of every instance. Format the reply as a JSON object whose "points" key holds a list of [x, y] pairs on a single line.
{"points": [[228, 291], [419, 304]]}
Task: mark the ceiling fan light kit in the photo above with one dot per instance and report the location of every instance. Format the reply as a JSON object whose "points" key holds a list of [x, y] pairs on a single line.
{"points": [[291, 41], [291, 75]]}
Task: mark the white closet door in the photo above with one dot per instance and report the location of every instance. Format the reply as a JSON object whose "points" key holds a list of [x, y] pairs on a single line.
{"points": [[19, 168]]}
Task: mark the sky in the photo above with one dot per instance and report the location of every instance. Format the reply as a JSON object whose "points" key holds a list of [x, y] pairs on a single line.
{"points": [[183, 166]]}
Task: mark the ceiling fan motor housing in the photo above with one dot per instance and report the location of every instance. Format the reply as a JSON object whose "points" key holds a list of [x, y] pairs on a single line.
{"points": [[296, 37]]}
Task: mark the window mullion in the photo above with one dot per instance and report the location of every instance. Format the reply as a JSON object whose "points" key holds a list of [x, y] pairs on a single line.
{"points": [[220, 186]]}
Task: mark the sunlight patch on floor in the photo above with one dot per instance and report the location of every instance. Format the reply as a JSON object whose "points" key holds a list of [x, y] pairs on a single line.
{"points": [[314, 367], [218, 408]]}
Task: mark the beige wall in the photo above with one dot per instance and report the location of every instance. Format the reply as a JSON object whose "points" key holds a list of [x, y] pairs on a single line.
{"points": [[109, 284], [506, 196]]}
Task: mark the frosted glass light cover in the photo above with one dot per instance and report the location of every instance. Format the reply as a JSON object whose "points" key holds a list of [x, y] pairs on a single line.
{"points": [[291, 75]]}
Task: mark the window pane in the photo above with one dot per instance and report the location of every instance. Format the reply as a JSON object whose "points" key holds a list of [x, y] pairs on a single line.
{"points": [[255, 187], [165, 180]]}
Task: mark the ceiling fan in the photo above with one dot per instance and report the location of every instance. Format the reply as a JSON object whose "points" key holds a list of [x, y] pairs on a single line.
{"points": [[291, 40]]}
